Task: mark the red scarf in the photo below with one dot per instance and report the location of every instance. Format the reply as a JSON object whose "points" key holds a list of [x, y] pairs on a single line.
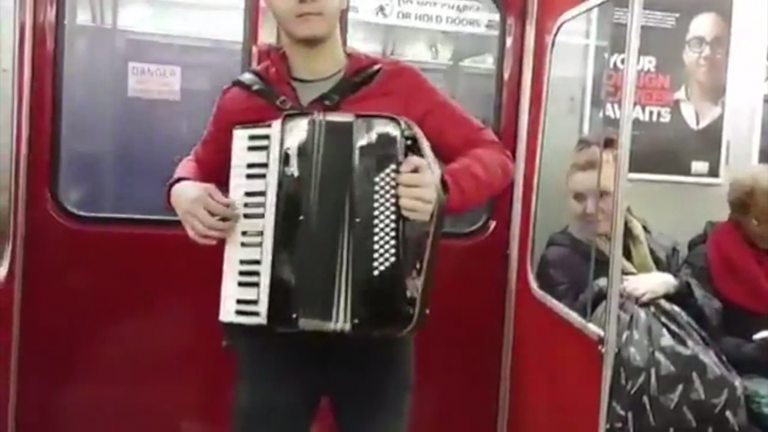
{"points": [[739, 270]]}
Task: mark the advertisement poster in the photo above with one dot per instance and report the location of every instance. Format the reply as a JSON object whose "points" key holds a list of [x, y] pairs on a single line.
{"points": [[154, 81], [681, 87]]}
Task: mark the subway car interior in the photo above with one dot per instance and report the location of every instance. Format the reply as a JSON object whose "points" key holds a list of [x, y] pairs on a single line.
{"points": [[108, 312]]}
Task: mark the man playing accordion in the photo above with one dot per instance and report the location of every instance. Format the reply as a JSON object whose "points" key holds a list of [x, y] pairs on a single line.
{"points": [[281, 376]]}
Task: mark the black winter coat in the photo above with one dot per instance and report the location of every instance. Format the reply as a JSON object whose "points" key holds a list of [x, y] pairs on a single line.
{"points": [[730, 326], [564, 270]]}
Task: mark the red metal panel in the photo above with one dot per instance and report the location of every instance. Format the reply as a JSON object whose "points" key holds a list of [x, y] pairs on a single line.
{"points": [[115, 319], [9, 283], [556, 369]]}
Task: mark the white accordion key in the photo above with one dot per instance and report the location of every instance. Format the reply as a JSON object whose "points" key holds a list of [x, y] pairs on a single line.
{"points": [[248, 251]]}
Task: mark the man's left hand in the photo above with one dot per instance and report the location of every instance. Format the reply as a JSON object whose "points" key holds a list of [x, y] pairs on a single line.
{"points": [[417, 189]]}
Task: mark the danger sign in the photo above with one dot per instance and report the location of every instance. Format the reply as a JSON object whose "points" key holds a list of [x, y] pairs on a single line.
{"points": [[154, 81]]}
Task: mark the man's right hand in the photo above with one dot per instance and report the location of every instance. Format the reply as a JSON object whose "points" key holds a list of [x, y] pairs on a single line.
{"points": [[206, 214]]}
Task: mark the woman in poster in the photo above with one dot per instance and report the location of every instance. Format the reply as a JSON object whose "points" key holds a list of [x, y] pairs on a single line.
{"points": [[690, 142]]}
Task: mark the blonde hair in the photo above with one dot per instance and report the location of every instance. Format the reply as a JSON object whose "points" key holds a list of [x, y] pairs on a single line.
{"points": [[592, 151], [747, 190]]}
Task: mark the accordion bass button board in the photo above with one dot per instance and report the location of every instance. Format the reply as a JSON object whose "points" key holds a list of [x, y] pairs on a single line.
{"points": [[320, 244]]}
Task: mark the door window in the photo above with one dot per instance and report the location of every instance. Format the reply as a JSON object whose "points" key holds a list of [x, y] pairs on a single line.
{"points": [[574, 190], [135, 97], [696, 127], [456, 44], [7, 99]]}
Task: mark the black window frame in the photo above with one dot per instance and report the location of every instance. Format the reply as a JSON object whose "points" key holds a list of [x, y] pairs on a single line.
{"points": [[65, 10]]}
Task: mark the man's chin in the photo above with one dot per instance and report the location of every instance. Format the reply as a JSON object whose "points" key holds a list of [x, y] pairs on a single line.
{"points": [[308, 40]]}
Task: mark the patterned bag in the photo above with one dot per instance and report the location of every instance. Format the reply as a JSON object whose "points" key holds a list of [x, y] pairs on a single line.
{"points": [[667, 378], [756, 394]]}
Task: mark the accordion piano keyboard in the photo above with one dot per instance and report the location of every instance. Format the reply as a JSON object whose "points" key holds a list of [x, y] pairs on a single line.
{"points": [[247, 255]]}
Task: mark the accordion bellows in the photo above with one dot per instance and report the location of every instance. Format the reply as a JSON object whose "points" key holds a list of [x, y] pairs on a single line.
{"points": [[321, 244]]}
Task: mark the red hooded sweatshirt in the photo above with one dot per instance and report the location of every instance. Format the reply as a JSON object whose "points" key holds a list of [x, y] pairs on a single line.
{"points": [[476, 168]]}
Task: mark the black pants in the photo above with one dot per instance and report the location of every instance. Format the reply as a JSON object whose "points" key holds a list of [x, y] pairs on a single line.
{"points": [[281, 378]]}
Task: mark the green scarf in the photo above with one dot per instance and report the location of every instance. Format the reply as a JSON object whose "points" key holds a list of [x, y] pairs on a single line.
{"points": [[637, 239]]}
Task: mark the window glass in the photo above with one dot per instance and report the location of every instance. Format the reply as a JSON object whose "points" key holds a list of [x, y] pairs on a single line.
{"points": [[454, 42], [696, 123], [700, 147], [7, 90], [575, 184], [136, 97], [267, 26]]}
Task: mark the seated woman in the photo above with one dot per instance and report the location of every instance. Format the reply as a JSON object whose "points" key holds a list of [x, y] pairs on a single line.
{"points": [[729, 260], [564, 270], [664, 342], [727, 266]]}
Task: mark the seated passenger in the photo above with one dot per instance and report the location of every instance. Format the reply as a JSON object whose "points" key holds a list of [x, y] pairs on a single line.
{"points": [[729, 260], [727, 266], [564, 270]]}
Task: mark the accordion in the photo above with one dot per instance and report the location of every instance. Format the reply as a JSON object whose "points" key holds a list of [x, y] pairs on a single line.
{"points": [[321, 244]]}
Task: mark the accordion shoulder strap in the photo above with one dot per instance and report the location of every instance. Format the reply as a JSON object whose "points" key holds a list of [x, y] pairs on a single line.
{"points": [[252, 82], [345, 87]]}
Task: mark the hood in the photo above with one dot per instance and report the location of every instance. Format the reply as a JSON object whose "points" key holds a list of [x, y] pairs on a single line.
{"points": [[272, 64], [701, 238]]}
